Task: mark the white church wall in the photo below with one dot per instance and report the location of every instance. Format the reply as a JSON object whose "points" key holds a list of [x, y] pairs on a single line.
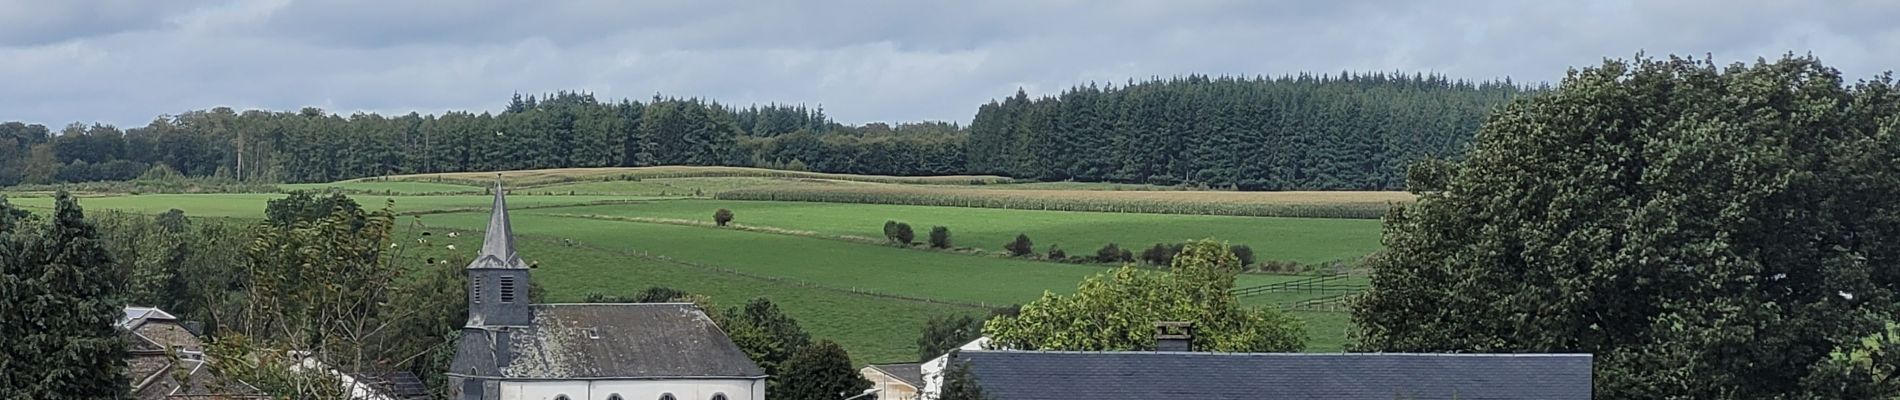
{"points": [[682, 389]]}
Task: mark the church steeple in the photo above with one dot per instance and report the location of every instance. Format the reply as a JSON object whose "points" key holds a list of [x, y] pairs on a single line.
{"points": [[498, 245], [497, 279]]}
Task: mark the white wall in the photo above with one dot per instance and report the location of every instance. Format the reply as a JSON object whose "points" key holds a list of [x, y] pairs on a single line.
{"points": [[695, 389]]}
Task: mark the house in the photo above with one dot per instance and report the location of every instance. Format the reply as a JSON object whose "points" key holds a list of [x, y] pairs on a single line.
{"points": [[895, 381], [511, 349], [168, 362], [1106, 375]]}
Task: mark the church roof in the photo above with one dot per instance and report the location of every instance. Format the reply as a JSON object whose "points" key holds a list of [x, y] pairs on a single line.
{"points": [[498, 245], [601, 341]]}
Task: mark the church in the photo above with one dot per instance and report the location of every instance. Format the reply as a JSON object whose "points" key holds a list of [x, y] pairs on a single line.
{"points": [[511, 349]]}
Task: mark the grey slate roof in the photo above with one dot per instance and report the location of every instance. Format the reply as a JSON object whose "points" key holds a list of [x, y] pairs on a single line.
{"points": [[649, 340], [1010, 375], [911, 373]]}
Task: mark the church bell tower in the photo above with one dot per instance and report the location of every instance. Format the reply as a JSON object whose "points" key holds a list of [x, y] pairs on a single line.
{"points": [[497, 279]]}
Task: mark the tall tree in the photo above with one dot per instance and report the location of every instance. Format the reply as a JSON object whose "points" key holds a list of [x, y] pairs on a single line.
{"points": [[1704, 231], [62, 302], [821, 371]]}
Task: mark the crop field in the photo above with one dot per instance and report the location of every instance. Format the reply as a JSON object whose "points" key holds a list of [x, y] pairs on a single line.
{"points": [[1364, 205], [1306, 240], [820, 261]]}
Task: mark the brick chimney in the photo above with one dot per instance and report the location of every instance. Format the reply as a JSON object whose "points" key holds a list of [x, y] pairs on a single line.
{"points": [[1174, 336]]}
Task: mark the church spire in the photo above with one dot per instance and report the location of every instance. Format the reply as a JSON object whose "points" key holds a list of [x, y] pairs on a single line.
{"points": [[498, 245]]}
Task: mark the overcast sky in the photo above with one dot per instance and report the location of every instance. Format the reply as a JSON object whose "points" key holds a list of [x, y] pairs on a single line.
{"points": [[127, 61]]}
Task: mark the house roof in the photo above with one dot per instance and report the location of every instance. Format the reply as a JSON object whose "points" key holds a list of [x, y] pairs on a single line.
{"points": [[1008, 375], [911, 373], [595, 341], [137, 315]]}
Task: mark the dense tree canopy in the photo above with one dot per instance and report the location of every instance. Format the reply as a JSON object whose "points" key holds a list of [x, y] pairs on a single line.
{"points": [[1312, 132], [1705, 231], [1116, 311], [61, 301]]}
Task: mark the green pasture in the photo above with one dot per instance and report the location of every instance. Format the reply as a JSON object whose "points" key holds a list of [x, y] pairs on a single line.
{"points": [[391, 187], [842, 265], [1078, 233]]}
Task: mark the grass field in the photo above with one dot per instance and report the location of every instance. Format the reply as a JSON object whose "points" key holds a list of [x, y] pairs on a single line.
{"points": [[872, 298], [392, 187], [1078, 233]]}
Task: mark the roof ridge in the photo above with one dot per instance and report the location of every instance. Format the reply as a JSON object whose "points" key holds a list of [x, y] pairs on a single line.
{"points": [[614, 304]]}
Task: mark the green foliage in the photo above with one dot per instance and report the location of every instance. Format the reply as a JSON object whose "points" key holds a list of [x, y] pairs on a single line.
{"points": [[652, 294], [722, 217], [903, 235], [769, 337], [61, 301], [308, 207], [1021, 246], [945, 332], [1161, 253], [1056, 253], [940, 237], [1287, 133], [1116, 311], [1704, 231], [1243, 253], [961, 384], [890, 230], [821, 371], [1112, 253]]}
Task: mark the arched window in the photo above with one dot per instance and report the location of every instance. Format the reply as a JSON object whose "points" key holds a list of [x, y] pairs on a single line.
{"points": [[615, 396], [719, 396], [668, 396], [561, 397]]}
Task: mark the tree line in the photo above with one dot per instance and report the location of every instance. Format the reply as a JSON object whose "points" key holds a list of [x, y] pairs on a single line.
{"points": [[1299, 132]]}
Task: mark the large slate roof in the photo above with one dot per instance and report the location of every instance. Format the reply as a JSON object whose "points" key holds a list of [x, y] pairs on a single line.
{"points": [[1009, 375], [583, 341]]}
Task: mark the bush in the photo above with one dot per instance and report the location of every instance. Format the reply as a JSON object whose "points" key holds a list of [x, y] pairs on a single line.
{"points": [[722, 216], [904, 235], [1056, 253], [940, 237], [1021, 246], [1110, 253], [1244, 253], [890, 230], [1161, 254]]}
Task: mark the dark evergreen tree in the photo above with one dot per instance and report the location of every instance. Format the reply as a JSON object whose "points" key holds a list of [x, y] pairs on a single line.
{"points": [[821, 371], [60, 277], [940, 237], [1021, 246]]}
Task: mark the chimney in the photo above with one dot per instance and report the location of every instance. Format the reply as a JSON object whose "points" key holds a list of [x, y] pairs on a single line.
{"points": [[1174, 336]]}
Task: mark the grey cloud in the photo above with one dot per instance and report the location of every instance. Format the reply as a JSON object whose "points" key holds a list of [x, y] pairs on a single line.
{"points": [[863, 60]]}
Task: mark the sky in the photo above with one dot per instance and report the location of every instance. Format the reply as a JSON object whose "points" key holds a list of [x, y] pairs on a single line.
{"points": [[125, 62]]}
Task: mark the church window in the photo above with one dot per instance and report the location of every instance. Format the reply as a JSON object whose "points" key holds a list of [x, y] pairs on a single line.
{"points": [[719, 396], [615, 396], [561, 397], [668, 396], [475, 295], [507, 289]]}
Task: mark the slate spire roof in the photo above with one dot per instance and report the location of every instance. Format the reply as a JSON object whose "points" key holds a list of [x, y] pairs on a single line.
{"points": [[498, 245]]}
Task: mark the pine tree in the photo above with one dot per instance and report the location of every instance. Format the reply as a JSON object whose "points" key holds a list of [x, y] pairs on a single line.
{"points": [[60, 277]]}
